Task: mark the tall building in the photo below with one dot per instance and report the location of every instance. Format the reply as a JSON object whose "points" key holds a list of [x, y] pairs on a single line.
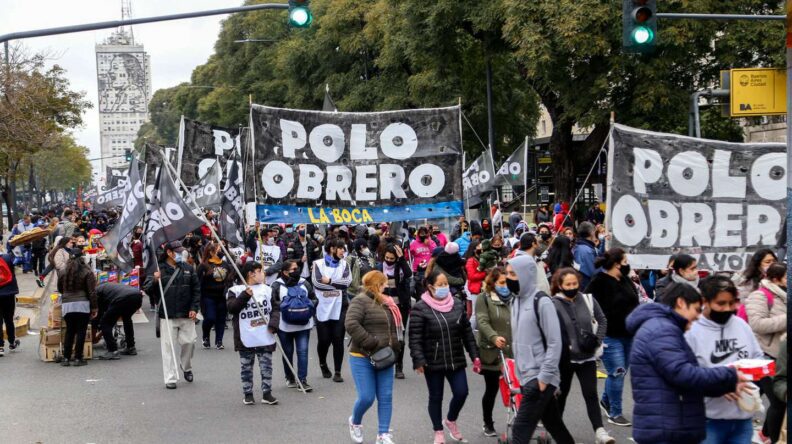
{"points": [[123, 71]]}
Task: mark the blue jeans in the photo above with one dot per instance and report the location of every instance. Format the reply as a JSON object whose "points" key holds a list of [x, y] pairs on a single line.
{"points": [[435, 382], [290, 340], [728, 431], [616, 359], [214, 313], [371, 383]]}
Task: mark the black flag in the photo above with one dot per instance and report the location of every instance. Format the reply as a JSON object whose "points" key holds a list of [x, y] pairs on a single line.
{"points": [[207, 192], [231, 208], [328, 104], [116, 241]]}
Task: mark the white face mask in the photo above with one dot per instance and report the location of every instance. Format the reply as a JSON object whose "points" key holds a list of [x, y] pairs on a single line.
{"points": [[365, 251]]}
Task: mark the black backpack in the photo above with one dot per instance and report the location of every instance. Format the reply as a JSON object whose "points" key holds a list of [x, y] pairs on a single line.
{"points": [[565, 344]]}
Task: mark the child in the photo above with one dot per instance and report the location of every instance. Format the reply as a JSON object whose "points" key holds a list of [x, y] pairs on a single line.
{"points": [[256, 315], [489, 257]]}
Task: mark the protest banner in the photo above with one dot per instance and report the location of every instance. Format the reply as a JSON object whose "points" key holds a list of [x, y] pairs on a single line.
{"points": [[200, 145], [717, 201], [478, 179], [329, 168]]}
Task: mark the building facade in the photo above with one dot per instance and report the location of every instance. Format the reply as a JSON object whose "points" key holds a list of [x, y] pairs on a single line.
{"points": [[124, 78]]}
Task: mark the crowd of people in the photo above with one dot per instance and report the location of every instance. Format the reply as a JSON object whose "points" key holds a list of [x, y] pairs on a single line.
{"points": [[547, 293]]}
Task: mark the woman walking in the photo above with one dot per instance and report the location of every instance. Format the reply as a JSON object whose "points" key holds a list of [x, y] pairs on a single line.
{"points": [[493, 314], [398, 274], [581, 314], [374, 323], [296, 321], [215, 277], [440, 333], [77, 286]]}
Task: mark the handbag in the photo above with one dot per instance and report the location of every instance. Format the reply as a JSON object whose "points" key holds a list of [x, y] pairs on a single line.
{"points": [[383, 358], [599, 349]]}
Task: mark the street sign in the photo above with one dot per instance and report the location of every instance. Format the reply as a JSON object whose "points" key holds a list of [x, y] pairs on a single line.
{"points": [[757, 92]]}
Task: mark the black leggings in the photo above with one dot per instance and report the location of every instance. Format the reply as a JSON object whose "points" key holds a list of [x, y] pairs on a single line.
{"points": [[775, 412], [331, 333], [587, 376], [7, 307], [76, 326], [491, 390]]}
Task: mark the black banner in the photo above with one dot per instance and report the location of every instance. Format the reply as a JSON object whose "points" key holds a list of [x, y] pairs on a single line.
{"points": [[114, 177], [200, 145], [112, 198], [479, 179], [717, 201], [231, 219], [328, 167], [116, 241], [207, 192]]}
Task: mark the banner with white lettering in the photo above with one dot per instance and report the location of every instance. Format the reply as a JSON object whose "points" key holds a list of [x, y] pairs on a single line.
{"points": [[114, 177], [479, 179], [116, 241], [327, 167], [112, 198], [513, 171], [200, 145], [232, 203], [207, 192], [717, 201]]}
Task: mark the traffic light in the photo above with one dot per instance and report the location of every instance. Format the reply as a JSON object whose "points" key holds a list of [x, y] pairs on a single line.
{"points": [[128, 155], [300, 13], [639, 25]]}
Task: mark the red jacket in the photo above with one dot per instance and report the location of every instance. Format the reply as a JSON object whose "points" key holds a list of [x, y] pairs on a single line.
{"points": [[475, 277]]}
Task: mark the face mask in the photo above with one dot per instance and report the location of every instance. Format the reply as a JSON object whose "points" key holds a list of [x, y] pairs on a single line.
{"points": [[390, 263], [289, 229], [513, 285], [721, 317], [625, 270], [436, 233], [179, 258], [502, 291], [365, 251], [545, 236], [270, 241], [570, 293], [301, 233], [293, 278], [422, 238], [442, 292]]}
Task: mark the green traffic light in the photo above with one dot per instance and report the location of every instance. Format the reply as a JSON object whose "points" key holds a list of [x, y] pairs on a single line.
{"points": [[642, 35], [300, 17]]}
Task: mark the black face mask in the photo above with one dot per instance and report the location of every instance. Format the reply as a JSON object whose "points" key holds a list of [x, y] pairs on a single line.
{"points": [[570, 293], [514, 285], [301, 233], [721, 317], [625, 270], [390, 263], [545, 236], [293, 278], [422, 238]]}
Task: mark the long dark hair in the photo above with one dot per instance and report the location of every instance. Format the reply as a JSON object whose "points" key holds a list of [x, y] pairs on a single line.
{"points": [[559, 255], [752, 272], [61, 244], [75, 273], [471, 250], [558, 279]]}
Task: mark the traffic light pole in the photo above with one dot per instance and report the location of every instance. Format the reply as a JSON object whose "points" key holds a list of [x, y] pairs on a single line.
{"points": [[4, 38]]}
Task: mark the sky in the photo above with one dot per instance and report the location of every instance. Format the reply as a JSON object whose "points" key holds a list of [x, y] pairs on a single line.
{"points": [[175, 47]]}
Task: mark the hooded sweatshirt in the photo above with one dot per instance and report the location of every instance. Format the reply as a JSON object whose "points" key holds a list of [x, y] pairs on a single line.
{"points": [[532, 359], [718, 345]]}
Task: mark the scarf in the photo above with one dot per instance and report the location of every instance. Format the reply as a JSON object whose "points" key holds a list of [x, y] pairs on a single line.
{"points": [[397, 317], [443, 306], [679, 279], [331, 261], [389, 270]]}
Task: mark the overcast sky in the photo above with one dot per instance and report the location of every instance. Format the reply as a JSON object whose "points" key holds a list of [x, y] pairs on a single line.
{"points": [[175, 47]]}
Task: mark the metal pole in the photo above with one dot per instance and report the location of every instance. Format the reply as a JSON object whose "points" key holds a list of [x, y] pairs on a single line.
{"points": [[789, 169], [135, 21], [682, 16], [694, 120], [490, 118], [525, 181]]}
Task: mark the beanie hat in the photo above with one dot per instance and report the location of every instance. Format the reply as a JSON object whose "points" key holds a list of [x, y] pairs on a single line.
{"points": [[452, 248]]}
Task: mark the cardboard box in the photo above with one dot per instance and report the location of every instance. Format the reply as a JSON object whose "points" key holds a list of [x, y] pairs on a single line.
{"points": [[21, 326], [55, 316], [51, 353], [50, 336]]}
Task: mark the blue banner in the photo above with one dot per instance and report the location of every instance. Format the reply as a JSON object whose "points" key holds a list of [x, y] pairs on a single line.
{"points": [[293, 214]]}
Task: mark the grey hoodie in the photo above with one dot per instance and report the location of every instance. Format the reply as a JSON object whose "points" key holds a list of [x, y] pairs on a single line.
{"points": [[718, 345], [531, 359]]}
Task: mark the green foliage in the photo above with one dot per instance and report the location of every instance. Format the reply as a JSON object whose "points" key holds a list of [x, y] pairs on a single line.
{"points": [[63, 167]]}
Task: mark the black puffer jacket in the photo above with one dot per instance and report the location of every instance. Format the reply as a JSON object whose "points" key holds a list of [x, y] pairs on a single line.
{"points": [[438, 341], [184, 294]]}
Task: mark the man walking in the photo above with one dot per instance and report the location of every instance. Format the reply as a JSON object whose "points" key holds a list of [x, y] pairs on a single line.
{"points": [[181, 298]]}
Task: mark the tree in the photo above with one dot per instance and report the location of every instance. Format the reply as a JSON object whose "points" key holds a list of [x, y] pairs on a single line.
{"points": [[63, 168]]}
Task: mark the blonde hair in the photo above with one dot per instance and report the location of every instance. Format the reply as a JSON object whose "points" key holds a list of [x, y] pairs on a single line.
{"points": [[372, 282]]}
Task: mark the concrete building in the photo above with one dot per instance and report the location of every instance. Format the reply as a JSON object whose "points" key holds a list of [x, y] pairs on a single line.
{"points": [[123, 72]]}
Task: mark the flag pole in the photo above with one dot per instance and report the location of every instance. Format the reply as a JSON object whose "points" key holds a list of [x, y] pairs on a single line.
{"points": [[525, 179], [241, 277], [497, 197]]}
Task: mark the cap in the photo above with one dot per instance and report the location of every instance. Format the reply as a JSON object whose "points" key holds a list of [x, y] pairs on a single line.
{"points": [[452, 248], [174, 246]]}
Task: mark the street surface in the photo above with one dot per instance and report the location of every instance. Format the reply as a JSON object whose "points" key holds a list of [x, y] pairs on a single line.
{"points": [[126, 401]]}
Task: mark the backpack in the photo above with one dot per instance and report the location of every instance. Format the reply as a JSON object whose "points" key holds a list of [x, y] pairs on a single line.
{"points": [[565, 345], [6, 276], [742, 313], [295, 307]]}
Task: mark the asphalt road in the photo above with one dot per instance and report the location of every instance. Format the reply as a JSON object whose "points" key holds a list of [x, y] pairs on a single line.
{"points": [[125, 401]]}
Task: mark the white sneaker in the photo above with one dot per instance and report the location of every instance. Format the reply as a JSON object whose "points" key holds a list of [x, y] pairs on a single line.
{"points": [[601, 437], [356, 432], [384, 438]]}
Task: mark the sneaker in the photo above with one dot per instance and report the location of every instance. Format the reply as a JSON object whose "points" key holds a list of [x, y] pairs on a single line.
{"points": [[439, 437], [384, 438], [399, 374], [188, 376], [267, 398], [80, 363], [40, 282], [620, 421], [307, 387], [453, 431], [291, 383], [65, 363], [109, 356], [601, 437], [249, 400], [206, 345], [489, 430], [2, 351], [129, 351], [325, 371], [605, 406], [337, 377], [355, 432], [14, 345], [170, 386], [220, 347]]}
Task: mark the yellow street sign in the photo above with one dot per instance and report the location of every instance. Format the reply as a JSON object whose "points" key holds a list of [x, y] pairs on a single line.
{"points": [[757, 92]]}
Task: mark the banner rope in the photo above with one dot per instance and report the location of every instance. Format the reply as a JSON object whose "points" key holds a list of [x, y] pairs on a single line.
{"points": [[585, 182]]}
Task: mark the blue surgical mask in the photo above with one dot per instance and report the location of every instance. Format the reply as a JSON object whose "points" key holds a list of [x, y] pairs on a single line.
{"points": [[442, 292], [502, 291], [179, 258]]}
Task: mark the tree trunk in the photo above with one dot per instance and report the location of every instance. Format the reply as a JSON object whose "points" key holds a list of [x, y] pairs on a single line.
{"points": [[562, 152], [10, 194]]}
